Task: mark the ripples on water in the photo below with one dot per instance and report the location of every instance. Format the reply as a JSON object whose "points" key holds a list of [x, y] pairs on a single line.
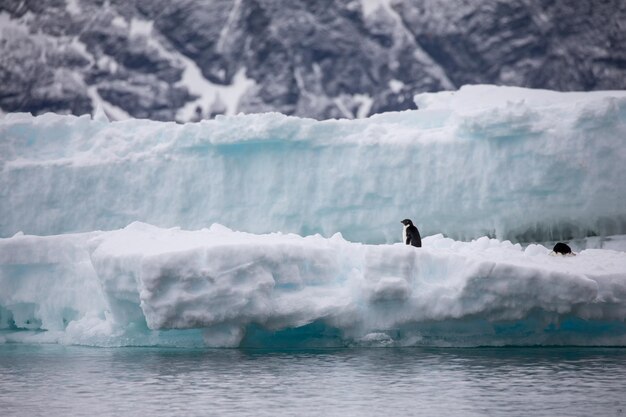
{"points": [[58, 381]]}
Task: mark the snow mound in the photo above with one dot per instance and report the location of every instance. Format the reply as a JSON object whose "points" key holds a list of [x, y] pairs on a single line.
{"points": [[144, 285]]}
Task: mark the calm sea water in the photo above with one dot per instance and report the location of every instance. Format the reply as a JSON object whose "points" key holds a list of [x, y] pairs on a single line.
{"points": [[56, 380]]}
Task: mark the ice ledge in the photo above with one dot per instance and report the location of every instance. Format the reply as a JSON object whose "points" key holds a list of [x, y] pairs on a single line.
{"points": [[473, 99], [513, 163], [96, 288]]}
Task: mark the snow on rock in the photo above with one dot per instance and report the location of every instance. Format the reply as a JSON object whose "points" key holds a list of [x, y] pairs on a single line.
{"points": [[144, 285], [518, 164]]}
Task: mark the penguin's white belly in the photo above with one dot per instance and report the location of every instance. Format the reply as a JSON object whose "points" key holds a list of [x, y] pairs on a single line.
{"points": [[404, 234]]}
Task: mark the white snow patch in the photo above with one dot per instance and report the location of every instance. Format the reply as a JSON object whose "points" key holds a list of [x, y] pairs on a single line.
{"points": [[120, 22], [371, 6], [346, 103], [103, 110], [396, 85], [229, 26], [73, 7], [82, 48], [342, 108], [210, 94], [139, 27], [366, 105]]}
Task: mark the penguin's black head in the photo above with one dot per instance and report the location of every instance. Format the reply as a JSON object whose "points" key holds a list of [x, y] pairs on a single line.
{"points": [[407, 222]]}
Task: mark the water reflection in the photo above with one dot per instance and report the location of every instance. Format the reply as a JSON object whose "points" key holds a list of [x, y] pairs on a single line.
{"points": [[59, 380]]}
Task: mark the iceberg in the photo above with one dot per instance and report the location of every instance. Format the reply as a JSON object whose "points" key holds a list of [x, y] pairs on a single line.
{"points": [[104, 238], [150, 286], [511, 163]]}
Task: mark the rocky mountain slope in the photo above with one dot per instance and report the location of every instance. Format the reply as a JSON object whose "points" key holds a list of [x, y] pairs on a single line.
{"points": [[190, 59]]}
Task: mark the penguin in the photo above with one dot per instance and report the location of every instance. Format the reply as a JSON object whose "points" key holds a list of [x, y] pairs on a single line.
{"points": [[562, 249], [410, 234]]}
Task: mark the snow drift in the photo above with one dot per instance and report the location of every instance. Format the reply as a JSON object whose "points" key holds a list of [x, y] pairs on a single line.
{"points": [[511, 163], [144, 285]]}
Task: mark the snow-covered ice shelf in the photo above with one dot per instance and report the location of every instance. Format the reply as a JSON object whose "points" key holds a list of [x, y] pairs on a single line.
{"points": [[144, 285]]}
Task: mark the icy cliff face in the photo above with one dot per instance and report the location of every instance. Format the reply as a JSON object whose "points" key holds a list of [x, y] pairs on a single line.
{"points": [[525, 165], [190, 59], [144, 285]]}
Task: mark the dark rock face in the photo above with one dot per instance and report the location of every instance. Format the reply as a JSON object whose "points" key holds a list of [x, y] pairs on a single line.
{"points": [[552, 44], [320, 59]]}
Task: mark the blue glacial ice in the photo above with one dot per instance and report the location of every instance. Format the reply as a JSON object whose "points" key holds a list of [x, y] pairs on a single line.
{"points": [[104, 238], [511, 163]]}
